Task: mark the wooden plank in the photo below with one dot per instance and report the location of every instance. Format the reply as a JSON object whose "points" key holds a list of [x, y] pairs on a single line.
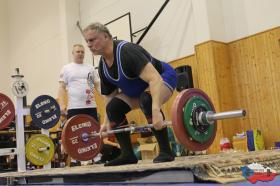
{"points": [[208, 83], [224, 87], [207, 167], [256, 72]]}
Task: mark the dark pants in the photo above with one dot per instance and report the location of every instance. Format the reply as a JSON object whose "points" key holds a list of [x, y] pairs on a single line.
{"points": [[109, 153], [89, 111]]}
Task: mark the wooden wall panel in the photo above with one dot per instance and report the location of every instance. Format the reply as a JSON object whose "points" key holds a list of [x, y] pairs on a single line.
{"points": [[100, 106], [206, 70], [256, 77], [225, 91], [137, 116]]}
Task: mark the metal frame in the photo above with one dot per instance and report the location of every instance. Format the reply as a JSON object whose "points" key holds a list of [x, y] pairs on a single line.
{"points": [[145, 29], [152, 22], [140, 30], [129, 19]]}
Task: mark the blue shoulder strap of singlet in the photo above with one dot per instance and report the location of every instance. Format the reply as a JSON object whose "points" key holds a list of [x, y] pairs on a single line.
{"points": [[118, 53], [118, 59]]}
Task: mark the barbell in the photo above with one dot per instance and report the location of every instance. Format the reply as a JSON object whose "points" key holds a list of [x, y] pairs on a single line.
{"points": [[193, 122], [208, 116]]}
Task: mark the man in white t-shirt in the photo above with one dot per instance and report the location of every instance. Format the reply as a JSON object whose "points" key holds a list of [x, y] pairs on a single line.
{"points": [[77, 82]]}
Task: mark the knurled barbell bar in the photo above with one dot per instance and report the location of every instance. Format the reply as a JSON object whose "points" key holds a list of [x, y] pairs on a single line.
{"points": [[193, 121], [204, 118]]}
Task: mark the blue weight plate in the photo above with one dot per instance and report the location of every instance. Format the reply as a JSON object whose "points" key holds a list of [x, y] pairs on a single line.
{"points": [[45, 112]]}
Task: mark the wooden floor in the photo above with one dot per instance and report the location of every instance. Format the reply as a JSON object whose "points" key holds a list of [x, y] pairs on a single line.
{"points": [[221, 168]]}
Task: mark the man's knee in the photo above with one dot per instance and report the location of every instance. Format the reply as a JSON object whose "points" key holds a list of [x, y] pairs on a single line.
{"points": [[116, 110], [146, 104]]}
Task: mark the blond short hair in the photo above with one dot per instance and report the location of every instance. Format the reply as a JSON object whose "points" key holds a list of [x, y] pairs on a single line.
{"points": [[79, 45]]}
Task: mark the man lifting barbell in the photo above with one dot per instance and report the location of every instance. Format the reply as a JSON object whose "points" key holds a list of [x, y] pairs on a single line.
{"points": [[130, 68], [193, 121]]}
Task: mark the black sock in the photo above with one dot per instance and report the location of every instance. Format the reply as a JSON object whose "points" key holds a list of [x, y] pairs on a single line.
{"points": [[165, 152], [127, 154]]}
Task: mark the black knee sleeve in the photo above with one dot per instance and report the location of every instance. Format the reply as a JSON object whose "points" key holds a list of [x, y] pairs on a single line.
{"points": [[116, 110], [146, 102]]}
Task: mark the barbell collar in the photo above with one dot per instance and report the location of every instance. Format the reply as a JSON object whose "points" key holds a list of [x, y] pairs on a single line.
{"points": [[211, 116]]}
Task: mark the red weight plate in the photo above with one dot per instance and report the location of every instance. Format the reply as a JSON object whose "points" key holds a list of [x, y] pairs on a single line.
{"points": [[76, 138], [178, 120], [7, 111]]}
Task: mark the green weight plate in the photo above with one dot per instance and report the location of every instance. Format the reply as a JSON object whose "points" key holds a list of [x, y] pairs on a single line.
{"points": [[192, 126], [39, 149], [181, 134]]}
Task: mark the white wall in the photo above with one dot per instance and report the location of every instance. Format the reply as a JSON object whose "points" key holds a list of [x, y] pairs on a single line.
{"points": [[172, 35], [142, 11], [37, 35], [216, 20], [185, 23], [35, 44], [40, 36], [72, 16], [201, 22], [209, 20], [4, 49], [247, 17], [105, 11], [229, 20]]}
